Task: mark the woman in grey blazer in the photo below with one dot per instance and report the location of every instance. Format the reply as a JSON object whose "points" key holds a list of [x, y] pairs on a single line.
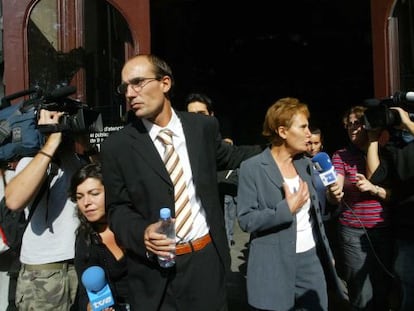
{"points": [[279, 206]]}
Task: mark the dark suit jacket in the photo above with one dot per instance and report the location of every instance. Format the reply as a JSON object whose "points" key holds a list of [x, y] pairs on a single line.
{"points": [[137, 185]]}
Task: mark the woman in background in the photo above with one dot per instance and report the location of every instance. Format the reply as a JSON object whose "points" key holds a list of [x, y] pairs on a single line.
{"points": [[95, 242], [365, 242]]}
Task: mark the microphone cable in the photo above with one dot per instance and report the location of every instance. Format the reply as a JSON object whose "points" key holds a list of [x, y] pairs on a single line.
{"points": [[324, 157], [386, 270]]}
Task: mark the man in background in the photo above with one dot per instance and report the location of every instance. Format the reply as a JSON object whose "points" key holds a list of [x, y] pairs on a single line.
{"points": [[227, 179]]}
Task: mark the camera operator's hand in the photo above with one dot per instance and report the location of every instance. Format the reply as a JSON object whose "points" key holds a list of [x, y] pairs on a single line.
{"points": [[406, 122], [24, 186], [49, 117]]}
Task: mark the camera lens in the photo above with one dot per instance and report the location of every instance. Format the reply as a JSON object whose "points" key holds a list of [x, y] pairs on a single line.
{"points": [[393, 118], [381, 117]]}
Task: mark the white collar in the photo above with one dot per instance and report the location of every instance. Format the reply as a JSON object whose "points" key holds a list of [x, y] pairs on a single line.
{"points": [[174, 126]]}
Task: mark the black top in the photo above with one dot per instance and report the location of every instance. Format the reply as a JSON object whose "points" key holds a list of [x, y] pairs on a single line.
{"points": [[97, 254], [396, 171]]}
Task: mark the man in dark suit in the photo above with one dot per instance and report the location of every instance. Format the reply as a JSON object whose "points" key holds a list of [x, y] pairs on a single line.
{"points": [[137, 185]]}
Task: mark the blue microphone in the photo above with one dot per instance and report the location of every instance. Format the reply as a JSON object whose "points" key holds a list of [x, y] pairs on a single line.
{"points": [[323, 165], [99, 293]]}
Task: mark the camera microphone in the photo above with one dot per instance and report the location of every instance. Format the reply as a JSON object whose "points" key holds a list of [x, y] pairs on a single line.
{"points": [[60, 93], [400, 97], [395, 100]]}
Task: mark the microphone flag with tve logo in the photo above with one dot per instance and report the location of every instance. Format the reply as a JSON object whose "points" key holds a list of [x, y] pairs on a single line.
{"points": [[97, 288], [323, 165]]}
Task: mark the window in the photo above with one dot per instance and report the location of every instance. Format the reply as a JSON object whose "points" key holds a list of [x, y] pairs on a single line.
{"points": [[66, 48]]}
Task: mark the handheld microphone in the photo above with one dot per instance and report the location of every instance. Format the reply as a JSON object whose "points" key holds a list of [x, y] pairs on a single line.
{"points": [[99, 293], [323, 165]]}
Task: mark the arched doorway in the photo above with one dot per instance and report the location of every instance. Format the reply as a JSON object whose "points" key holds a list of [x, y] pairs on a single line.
{"points": [[79, 42]]}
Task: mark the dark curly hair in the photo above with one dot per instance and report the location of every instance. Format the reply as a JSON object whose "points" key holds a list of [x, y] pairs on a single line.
{"points": [[85, 230]]}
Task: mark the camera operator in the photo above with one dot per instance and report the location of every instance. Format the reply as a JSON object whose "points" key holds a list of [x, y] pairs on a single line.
{"points": [[396, 169], [47, 279]]}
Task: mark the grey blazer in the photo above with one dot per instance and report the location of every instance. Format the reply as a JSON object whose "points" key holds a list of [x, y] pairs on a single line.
{"points": [[263, 211]]}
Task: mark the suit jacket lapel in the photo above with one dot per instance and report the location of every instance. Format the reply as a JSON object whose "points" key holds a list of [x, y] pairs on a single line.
{"points": [[149, 154], [302, 168], [271, 169]]}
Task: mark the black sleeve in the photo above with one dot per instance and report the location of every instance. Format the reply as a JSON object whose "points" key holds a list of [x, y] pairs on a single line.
{"points": [[228, 181], [83, 260], [234, 155], [381, 174]]}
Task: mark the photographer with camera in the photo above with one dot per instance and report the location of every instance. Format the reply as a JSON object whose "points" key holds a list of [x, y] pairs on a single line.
{"points": [[47, 279], [396, 168]]}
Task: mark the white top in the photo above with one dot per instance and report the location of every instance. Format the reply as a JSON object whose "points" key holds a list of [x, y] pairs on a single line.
{"points": [[200, 226], [8, 174], [51, 238], [304, 221]]}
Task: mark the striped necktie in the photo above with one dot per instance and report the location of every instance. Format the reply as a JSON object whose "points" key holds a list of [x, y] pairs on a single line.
{"points": [[172, 163]]}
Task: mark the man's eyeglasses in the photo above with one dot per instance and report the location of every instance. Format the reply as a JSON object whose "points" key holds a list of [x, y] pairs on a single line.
{"points": [[137, 84]]}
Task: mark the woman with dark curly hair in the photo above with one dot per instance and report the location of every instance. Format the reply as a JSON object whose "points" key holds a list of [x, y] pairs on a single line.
{"points": [[95, 242]]}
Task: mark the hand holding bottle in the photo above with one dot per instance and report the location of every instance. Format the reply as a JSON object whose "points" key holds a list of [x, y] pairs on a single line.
{"points": [[167, 227], [158, 243]]}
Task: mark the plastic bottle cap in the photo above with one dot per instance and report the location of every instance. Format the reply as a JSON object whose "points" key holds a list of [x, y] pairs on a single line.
{"points": [[165, 213]]}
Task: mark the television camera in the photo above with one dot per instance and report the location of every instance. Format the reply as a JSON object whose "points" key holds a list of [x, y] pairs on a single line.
{"points": [[77, 116], [379, 114]]}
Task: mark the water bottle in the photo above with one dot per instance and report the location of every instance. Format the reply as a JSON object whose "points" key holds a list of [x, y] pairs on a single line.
{"points": [[167, 227]]}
